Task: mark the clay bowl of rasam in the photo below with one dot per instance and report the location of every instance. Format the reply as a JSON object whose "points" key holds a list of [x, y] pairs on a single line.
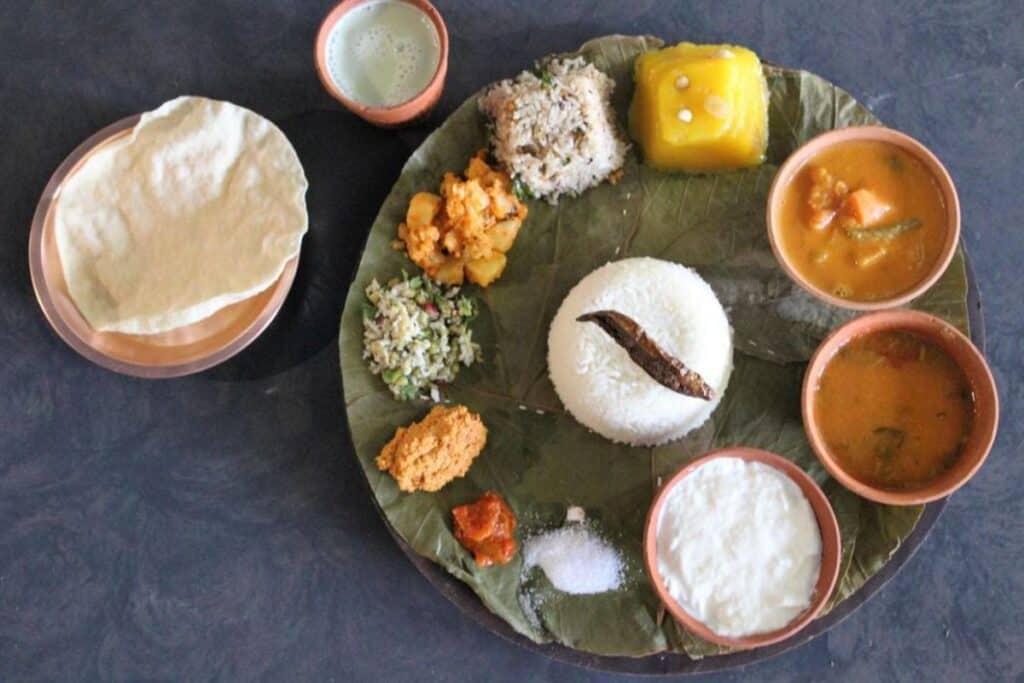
{"points": [[900, 407], [385, 60], [742, 547], [866, 218]]}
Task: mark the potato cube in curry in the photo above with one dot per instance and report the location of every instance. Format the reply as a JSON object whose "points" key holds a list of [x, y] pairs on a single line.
{"points": [[450, 272], [486, 270], [423, 208], [503, 234]]}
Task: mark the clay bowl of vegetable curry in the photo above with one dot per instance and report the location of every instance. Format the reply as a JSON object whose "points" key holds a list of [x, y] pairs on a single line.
{"points": [[900, 407], [864, 217]]}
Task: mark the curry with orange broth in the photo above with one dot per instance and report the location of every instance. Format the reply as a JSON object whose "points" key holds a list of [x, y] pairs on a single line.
{"points": [[863, 220], [894, 409]]}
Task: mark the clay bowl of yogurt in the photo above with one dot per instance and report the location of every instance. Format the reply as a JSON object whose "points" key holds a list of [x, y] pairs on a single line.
{"points": [[385, 60], [742, 547]]}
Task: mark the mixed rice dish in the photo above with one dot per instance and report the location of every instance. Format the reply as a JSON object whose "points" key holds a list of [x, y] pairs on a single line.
{"points": [[555, 133]]}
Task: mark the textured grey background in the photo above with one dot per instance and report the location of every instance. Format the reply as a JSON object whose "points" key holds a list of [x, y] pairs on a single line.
{"points": [[217, 526]]}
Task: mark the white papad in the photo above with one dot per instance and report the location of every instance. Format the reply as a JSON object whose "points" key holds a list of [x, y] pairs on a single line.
{"points": [[199, 208]]}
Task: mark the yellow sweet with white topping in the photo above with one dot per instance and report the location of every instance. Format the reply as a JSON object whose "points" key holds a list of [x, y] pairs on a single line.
{"points": [[700, 108]]}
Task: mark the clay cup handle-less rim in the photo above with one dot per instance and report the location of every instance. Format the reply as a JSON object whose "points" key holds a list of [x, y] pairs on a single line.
{"points": [[790, 170], [964, 354], [388, 117]]}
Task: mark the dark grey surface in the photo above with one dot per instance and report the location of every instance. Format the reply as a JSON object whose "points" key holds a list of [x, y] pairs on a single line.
{"points": [[217, 527]]}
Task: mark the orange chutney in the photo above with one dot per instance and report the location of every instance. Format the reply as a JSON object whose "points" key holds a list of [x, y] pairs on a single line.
{"points": [[894, 409], [486, 528], [863, 220]]}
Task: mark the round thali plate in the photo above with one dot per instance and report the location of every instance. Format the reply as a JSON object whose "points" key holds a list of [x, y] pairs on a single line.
{"points": [[182, 351], [809, 101]]}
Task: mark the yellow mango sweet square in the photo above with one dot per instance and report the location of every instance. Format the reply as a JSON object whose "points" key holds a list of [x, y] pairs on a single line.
{"points": [[700, 108]]}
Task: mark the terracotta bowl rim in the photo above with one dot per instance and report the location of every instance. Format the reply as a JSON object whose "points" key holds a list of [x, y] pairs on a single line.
{"points": [[403, 111], [828, 525], [795, 161], [933, 328]]}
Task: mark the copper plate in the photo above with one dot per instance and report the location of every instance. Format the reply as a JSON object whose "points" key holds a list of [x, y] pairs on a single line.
{"points": [[182, 351]]}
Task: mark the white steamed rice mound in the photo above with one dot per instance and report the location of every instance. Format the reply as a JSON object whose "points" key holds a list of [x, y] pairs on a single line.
{"points": [[595, 378]]}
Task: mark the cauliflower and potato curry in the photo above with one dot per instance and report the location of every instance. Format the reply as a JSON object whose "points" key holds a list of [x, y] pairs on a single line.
{"points": [[465, 232]]}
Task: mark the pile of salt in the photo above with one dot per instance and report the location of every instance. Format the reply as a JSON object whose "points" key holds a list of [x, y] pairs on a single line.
{"points": [[574, 560]]}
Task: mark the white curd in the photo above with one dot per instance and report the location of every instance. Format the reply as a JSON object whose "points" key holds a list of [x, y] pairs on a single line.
{"points": [[739, 547]]}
